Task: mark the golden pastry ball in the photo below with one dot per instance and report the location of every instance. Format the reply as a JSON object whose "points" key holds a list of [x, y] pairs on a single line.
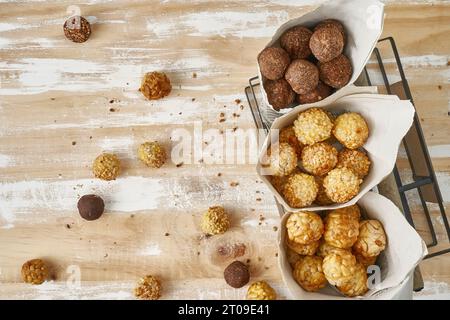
{"points": [[148, 288], [355, 160], [356, 285], [155, 85], [261, 290], [309, 274], [341, 185], [351, 130], [351, 211], [152, 154], [339, 267], [308, 249], [215, 221], [371, 239], [325, 249], [300, 190], [313, 125], [304, 227], [106, 166], [341, 231], [318, 159], [283, 159]]}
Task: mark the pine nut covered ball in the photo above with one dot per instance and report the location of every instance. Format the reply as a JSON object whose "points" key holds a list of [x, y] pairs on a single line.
{"points": [[283, 159], [279, 93], [313, 125], [261, 290], [106, 166], [215, 221], [341, 185], [327, 43], [148, 288], [351, 130], [288, 135], [371, 240], [319, 93], [155, 85], [304, 227], [339, 267], [273, 62], [296, 42], [309, 274], [152, 154], [300, 190], [34, 271], [341, 231], [356, 285], [318, 159], [322, 199], [302, 75], [355, 160], [325, 249], [308, 249], [337, 72], [352, 211]]}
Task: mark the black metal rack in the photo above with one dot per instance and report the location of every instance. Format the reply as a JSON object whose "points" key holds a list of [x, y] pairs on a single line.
{"points": [[423, 175]]}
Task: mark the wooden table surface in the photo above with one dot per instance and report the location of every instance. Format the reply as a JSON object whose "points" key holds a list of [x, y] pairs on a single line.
{"points": [[62, 104]]}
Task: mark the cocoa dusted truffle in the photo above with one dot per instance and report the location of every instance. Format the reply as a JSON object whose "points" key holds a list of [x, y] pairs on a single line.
{"points": [[327, 43], [319, 93], [279, 93], [337, 72], [332, 23], [155, 85], [273, 62], [236, 274], [296, 42], [77, 29], [91, 207], [302, 75]]}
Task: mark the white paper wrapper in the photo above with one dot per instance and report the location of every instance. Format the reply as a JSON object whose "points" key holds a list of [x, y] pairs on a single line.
{"points": [[404, 250], [388, 118], [363, 22]]}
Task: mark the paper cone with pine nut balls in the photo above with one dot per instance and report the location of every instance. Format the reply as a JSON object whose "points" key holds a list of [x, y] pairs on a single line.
{"points": [[396, 261], [388, 119]]}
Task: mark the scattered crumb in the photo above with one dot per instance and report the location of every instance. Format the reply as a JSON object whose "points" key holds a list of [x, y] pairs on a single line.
{"points": [[258, 199], [111, 101], [90, 137], [68, 226], [194, 75], [219, 174], [222, 120], [112, 110], [193, 99], [179, 164], [167, 234], [248, 260], [257, 191], [200, 161], [74, 143], [276, 254], [237, 101], [131, 215], [53, 99], [241, 106], [267, 268], [234, 184], [439, 87], [275, 228], [198, 253], [222, 115], [105, 256]]}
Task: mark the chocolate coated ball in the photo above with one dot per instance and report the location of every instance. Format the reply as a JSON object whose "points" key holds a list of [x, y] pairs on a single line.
{"points": [[302, 75], [273, 62], [296, 42], [91, 207], [279, 93], [236, 274]]}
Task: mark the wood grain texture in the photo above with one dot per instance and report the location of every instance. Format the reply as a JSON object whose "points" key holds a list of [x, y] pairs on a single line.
{"points": [[56, 117]]}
